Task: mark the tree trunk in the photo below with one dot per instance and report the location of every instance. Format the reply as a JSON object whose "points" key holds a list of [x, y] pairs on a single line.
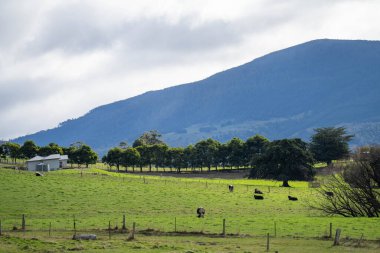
{"points": [[285, 183]]}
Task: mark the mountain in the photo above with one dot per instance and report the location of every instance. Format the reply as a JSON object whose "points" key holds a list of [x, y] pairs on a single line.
{"points": [[284, 94]]}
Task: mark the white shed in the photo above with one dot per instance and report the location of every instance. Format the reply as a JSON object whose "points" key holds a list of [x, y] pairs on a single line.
{"points": [[51, 162]]}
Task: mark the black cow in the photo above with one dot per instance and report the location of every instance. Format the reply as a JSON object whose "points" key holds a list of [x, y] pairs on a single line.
{"points": [[292, 198], [329, 194], [258, 196], [201, 212], [231, 188], [39, 174], [257, 191]]}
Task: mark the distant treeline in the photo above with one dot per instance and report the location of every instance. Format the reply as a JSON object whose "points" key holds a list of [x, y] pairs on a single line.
{"points": [[78, 152]]}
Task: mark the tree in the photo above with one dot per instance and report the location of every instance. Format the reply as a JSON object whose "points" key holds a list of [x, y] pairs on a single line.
{"points": [[222, 155], [50, 149], [83, 154], [114, 157], [287, 159], [236, 152], [176, 158], [12, 150], [148, 138], [206, 151], [29, 149], [2, 152], [354, 192], [254, 147], [330, 143], [190, 157], [158, 152], [130, 157]]}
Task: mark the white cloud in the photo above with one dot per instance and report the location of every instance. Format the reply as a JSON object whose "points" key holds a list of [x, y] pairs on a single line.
{"points": [[62, 58]]}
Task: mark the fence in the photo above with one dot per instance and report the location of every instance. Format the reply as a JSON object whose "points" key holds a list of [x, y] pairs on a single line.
{"points": [[69, 226]]}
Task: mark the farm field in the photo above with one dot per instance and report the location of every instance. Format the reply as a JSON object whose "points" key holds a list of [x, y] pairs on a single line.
{"points": [[97, 197]]}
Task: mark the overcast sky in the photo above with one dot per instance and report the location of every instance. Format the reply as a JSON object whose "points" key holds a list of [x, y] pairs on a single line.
{"points": [[60, 59]]}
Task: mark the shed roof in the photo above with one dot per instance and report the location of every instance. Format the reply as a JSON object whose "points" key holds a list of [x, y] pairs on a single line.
{"points": [[50, 157]]}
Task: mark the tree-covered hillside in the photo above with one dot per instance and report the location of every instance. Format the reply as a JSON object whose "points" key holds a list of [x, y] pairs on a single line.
{"points": [[284, 94]]}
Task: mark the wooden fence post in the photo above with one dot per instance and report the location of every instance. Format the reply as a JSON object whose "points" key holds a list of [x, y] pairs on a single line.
{"points": [[49, 229], [133, 231], [337, 237], [330, 236], [0, 228], [267, 242], [75, 226], [23, 222], [175, 224], [124, 227], [275, 229], [224, 227]]}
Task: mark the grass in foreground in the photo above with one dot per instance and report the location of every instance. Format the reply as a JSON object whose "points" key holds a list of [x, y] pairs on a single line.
{"points": [[98, 196]]}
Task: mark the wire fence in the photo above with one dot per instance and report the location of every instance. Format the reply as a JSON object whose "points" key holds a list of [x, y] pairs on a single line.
{"points": [[108, 225]]}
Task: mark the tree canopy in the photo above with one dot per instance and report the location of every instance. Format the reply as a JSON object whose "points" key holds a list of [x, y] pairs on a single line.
{"points": [[330, 143], [287, 159]]}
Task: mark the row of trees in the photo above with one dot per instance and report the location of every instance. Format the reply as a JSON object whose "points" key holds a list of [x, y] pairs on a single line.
{"points": [[78, 152], [149, 150], [287, 159]]}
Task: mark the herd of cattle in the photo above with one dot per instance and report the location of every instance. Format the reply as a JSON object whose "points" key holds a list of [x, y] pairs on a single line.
{"points": [[257, 194]]}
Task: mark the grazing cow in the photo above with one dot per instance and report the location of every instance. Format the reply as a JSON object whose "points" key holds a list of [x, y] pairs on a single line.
{"points": [[292, 198], [231, 188], [201, 212], [257, 191], [258, 196], [39, 174], [329, 194]]}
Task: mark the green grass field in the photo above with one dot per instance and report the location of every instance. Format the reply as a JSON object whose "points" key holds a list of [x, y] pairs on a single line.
{"points": [[98, 196]]}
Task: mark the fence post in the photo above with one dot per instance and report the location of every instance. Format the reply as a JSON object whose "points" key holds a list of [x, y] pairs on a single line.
{"points": [[23, 222], [133, 231], [330, 236], [49, 229], [337, 237], [175, 224], [124, 228], [75, 226], [267, 242], [224, 227], [275, 229], [0, 228]]}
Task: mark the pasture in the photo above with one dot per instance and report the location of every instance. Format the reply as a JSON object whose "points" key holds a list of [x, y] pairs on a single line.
{"points": [[97, 197]]}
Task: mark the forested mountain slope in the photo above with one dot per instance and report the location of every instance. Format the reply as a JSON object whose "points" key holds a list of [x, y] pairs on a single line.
{"points": [[283, 94]]}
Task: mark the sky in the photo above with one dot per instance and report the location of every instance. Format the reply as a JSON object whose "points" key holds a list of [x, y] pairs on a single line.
{"points": [[60, 59]]}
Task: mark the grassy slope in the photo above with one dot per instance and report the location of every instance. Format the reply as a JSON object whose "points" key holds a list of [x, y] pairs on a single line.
{"points": [[97, 199]]}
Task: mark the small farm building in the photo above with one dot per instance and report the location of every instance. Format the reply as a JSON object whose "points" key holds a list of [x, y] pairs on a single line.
{"points": [[51, 162]]}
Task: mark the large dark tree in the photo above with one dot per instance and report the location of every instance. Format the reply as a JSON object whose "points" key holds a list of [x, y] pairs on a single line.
{"points": [[287, 159], [330, 143], [29, 149]]}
